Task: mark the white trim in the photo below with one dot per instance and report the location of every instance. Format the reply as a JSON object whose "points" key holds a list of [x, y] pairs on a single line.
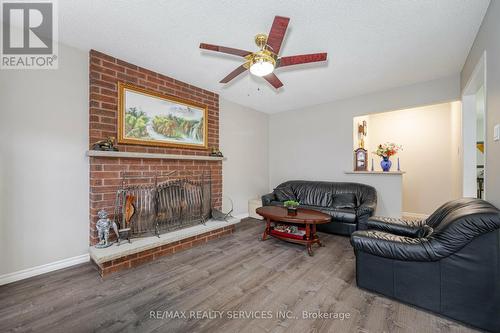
{"points": [[42, 269], [416, 215], [469, 148], [477, 79], [485, 124]]}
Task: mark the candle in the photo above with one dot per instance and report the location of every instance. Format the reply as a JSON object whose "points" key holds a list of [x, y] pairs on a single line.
{"points": [[372, 165], [399, 169]]}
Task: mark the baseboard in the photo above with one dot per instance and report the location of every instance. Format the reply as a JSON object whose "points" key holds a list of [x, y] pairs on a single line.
{"points": [[416, 215], [53, 266], [241, 216]]}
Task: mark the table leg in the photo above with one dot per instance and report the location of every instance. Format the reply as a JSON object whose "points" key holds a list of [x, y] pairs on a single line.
{"points": [[267, 230], [309, 239], [315, 236], [309, 249]]}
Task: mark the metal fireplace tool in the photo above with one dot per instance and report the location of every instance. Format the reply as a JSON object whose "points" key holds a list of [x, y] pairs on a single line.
{"points": [[222, 214]]}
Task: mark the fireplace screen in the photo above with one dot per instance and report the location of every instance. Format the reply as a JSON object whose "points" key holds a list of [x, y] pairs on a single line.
{"points": [[168, 202]]}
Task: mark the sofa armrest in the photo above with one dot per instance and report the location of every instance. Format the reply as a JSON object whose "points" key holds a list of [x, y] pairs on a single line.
{"points": [[386, 245], [397, 226], [267, 198], [366, 209]]}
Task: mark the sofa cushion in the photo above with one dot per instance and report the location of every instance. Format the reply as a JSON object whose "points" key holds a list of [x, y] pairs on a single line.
{"points": [[284, 193], [344, 200], [347, 215], [318, 194]]}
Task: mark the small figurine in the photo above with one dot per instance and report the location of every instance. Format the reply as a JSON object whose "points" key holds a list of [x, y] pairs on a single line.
{"points": [[216, 152], [103, 225], [107, 144]]}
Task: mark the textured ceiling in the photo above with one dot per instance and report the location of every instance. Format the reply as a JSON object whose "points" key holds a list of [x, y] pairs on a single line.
{"points": [[372, 45]]}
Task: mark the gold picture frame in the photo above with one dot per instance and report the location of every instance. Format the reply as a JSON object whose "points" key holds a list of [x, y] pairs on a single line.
{"points": [[160, 120]]}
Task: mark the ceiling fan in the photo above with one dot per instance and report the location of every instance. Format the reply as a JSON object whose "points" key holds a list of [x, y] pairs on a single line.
{"points": [[266, 60]]}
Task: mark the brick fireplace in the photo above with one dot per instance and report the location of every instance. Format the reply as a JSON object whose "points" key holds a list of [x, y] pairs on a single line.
{"points": [[106, 172]]}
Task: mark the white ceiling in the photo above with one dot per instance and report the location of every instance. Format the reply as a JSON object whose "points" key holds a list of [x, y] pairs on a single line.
{"points": [[371, 45]]}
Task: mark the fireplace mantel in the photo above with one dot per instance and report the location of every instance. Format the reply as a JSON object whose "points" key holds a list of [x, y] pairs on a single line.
{"points": [[125, 154]]}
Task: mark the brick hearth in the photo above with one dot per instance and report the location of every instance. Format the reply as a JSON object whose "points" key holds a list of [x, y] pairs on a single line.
{"points": [[140, 251], [105, 172]]}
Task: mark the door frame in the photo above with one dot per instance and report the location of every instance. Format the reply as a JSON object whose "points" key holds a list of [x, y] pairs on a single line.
{"points": [[477, 80]]}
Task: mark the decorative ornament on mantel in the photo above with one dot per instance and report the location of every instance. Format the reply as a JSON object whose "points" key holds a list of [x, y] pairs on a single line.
{"points": [[385, 151], [107, 144], [216, 152]]}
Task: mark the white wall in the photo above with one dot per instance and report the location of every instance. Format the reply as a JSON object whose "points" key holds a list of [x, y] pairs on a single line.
{"points": [[244, 141], [43, 171], [316, 142], [428, 154], [488, 40]]}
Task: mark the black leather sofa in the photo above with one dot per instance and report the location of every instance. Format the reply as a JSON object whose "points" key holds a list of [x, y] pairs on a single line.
{"points": [[347, 203], [448, 263]]}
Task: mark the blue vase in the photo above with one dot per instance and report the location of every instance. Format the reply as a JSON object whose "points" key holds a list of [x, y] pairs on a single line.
{"points": [[386, 164]]}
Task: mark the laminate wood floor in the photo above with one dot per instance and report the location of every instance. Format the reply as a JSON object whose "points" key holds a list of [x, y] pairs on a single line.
{"points": [[237, 275]]}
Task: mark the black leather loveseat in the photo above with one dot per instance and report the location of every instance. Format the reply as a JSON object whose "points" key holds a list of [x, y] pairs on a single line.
{"points": [[347, 203], [448, 263]]}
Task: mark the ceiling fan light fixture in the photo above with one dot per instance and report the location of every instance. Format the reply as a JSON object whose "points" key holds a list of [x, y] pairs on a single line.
{"points": [[263, 62], [261, 68]]}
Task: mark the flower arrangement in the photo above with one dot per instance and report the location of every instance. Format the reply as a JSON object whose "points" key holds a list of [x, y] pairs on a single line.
{"points": [[387, 150]]}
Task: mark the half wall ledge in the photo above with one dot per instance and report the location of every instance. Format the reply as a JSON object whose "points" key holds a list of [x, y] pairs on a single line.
{"points": [[375, 172]]}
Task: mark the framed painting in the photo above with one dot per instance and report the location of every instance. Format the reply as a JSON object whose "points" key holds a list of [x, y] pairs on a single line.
{"points": [[153, 119]]}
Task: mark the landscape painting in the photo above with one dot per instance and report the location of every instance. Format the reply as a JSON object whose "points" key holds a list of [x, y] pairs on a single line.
{"points": [[148, 118]]}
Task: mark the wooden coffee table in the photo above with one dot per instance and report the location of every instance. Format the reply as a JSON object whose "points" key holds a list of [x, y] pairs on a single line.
{"points": [[308, 217]]}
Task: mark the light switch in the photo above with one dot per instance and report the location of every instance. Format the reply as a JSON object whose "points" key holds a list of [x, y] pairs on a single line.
{"points": [[496, 132]]}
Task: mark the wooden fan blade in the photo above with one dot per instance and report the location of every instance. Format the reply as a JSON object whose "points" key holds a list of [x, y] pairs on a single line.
{"points": [[273, 80], [277, 33], [301, 59], [234, 74], [223, 49]]}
